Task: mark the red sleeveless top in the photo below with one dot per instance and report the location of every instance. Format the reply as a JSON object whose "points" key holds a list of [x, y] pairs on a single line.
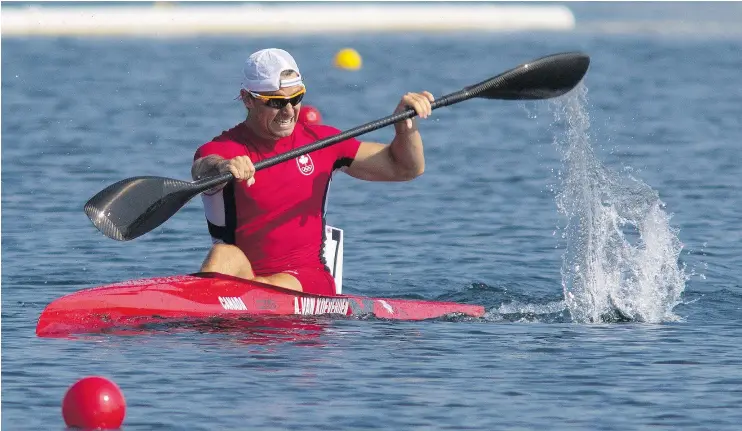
{"points": [[279, 221]]}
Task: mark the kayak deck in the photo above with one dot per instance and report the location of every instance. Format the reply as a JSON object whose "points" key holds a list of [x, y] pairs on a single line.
{"points": [[209, 295]]}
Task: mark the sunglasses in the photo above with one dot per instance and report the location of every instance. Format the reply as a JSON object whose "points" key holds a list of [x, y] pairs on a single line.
{"points": [[280, 102]]}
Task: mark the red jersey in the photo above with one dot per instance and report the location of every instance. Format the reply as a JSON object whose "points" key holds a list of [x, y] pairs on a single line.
{"points": [[279, 221]]}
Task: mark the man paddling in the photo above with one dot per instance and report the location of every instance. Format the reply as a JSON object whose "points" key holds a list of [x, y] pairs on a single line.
{"points": [[270, 227]]}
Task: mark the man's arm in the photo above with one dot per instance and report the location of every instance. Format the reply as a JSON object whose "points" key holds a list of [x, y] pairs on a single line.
{"points": [[398, 161], [403, 159], [206, 166], [241, 167]]}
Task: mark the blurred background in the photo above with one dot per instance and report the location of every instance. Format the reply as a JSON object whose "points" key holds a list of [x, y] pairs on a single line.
{"points": [[644, 157]]}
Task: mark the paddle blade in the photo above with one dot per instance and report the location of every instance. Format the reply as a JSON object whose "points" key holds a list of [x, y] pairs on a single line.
{"points": [[543, 78], [135, 206]]}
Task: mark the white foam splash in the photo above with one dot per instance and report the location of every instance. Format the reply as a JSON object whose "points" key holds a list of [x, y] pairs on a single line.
{"points": [[621, 252]]}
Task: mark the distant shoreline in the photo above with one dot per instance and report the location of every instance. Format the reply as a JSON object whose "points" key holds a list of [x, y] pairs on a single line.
{"points": [[174, 19]]}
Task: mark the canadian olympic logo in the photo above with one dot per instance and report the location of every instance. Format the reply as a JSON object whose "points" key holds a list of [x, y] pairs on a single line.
{"points": [[305, 164]]}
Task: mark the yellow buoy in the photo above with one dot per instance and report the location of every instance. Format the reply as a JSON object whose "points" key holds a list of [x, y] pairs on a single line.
{"points": [[348, 58]]}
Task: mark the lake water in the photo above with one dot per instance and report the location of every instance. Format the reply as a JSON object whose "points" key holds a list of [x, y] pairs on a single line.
{"points": [[622, 196]]}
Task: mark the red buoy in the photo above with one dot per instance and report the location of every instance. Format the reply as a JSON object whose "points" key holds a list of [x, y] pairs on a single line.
{"points": [[309, 115], [94, 402]]}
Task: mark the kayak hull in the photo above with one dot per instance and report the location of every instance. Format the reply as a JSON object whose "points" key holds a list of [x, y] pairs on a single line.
{"points": [[211, 295]]}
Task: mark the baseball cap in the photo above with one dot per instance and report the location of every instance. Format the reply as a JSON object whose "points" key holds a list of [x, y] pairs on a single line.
{"points": [[262, 70]]}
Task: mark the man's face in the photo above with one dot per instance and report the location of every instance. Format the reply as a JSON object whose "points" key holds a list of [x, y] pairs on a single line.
{"points": [[272, 113]]}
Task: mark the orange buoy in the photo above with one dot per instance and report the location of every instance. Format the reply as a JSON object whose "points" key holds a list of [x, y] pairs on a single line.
{"points": [[309, 115], [94, 402]]}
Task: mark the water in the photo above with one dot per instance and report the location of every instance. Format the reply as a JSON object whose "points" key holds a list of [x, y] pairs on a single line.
{"points": [[604, 272], [600, 231]]}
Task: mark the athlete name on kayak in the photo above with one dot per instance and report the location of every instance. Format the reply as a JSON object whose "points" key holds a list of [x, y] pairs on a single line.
{"points": [[308, 305]]}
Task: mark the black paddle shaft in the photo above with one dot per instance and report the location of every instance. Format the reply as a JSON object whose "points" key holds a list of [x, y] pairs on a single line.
{"points": [[134, 206], [544, 78]]}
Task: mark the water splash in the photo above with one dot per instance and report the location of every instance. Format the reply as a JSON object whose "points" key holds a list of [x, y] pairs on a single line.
{"points": [[621, 257]]}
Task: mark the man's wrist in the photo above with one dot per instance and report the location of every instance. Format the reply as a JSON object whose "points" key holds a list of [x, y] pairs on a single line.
{"points": [[406, 132]]}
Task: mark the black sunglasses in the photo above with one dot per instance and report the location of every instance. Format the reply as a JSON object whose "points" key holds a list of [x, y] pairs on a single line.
{"points": [[280, 102]]}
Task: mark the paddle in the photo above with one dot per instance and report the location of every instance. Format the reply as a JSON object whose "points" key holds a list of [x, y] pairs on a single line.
{"points": [[134, 206]]}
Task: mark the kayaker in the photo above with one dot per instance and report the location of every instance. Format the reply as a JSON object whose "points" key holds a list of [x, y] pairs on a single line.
{"points": [[269, 226]]}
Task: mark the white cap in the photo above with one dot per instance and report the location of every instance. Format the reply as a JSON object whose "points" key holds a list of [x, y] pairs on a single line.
{"points": [[262, 70]]}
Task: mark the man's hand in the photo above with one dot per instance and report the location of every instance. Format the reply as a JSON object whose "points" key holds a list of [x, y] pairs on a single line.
{"points": [[420, 102]]}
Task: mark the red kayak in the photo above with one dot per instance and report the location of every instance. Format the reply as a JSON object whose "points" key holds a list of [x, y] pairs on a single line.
{"points": [[211, 295]]}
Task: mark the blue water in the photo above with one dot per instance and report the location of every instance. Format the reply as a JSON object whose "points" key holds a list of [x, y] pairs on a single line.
{"points": [[600, 231]]}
